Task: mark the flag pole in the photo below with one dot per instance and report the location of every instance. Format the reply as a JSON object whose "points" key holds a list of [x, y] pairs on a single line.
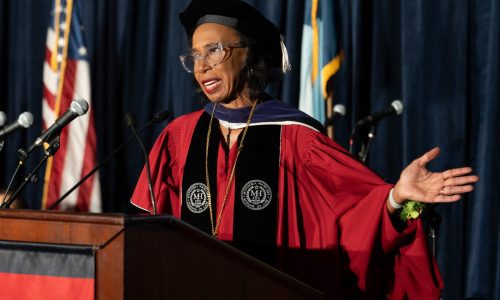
{"points": [[329, 113]]}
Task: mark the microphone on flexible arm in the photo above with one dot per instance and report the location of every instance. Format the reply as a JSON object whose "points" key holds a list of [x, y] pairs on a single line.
{"points": [[25, 120], [131, 124], [396, 108], [157, 118], [78, 107], [3, 118], [338, 112]]}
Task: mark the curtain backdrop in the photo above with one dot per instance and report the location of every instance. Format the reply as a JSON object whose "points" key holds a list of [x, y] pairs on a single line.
{"points": [[441, 58]]}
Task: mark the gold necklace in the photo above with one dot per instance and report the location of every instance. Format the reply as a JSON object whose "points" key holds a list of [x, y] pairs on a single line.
{"points": [[215, 230]]}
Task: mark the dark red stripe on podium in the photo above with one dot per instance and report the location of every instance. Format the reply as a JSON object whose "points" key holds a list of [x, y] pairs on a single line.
{"points": [[27, 286]]}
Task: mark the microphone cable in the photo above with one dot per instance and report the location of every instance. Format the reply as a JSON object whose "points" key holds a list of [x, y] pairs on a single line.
{"points": [[10, 185], [131, 124]]}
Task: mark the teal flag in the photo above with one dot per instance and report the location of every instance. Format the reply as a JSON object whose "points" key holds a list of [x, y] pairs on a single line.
{"points": [[321, 56]]}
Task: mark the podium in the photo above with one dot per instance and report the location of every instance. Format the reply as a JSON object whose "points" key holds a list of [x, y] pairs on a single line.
{"points": [[154, 257]]}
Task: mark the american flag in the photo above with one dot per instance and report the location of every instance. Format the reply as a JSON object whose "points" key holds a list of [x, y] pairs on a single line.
{"points": [[66, 76]]}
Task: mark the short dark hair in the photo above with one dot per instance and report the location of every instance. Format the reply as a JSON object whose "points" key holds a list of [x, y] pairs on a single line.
{"points": [[258, 72]]}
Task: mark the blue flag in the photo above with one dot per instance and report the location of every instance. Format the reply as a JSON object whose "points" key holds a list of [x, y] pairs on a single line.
{"points": [[321, 56]]}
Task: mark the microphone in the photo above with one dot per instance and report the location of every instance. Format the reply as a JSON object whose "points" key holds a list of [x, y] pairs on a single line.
{"points": [[157, 118], [131, 124], [396, 108], [23, 121], [338, 112], [78, 108], [3, 118], [160, 116]]}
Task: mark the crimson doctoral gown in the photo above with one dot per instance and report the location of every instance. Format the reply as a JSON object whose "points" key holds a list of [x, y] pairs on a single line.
{"points": [[333, 228]]}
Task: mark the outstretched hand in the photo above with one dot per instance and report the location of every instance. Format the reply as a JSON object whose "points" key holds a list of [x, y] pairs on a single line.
{"points": [[418, 183]]}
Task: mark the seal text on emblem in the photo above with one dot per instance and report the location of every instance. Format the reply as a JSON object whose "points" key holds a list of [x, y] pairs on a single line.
{"points": [[196, 198], [256, 195]]}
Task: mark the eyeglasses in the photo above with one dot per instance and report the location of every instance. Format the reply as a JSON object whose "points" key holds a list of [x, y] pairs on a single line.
{"points": [[212, 56]]}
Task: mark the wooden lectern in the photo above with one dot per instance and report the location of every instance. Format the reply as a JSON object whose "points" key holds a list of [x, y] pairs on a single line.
{"points": [[155, 257]]}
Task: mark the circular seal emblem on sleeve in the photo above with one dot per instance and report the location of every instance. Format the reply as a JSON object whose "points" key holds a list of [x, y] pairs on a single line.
{"points": [[256, 195], [197, 198]]}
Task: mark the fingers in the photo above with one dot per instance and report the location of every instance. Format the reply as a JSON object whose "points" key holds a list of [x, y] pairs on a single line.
{"points": [[450, 194], [445, 198], [428, 156], [456, 172], [461, 180], [456, 181], [456, 190], [454, 187]]}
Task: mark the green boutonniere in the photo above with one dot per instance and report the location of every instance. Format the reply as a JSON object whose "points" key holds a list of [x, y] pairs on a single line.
{"points": [[411, 210]]}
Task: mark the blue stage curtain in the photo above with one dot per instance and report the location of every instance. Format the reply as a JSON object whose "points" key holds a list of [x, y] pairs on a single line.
{"points": [[441, 59]]}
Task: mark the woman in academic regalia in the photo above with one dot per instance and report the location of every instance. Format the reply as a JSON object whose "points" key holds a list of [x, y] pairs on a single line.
{"points": [[262, 176]]}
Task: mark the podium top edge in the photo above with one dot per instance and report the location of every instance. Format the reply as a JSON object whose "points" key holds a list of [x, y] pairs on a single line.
{"points": [[81, 217]]}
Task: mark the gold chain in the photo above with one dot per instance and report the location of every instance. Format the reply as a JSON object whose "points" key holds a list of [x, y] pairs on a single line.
{"points": [[215, 230]]}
